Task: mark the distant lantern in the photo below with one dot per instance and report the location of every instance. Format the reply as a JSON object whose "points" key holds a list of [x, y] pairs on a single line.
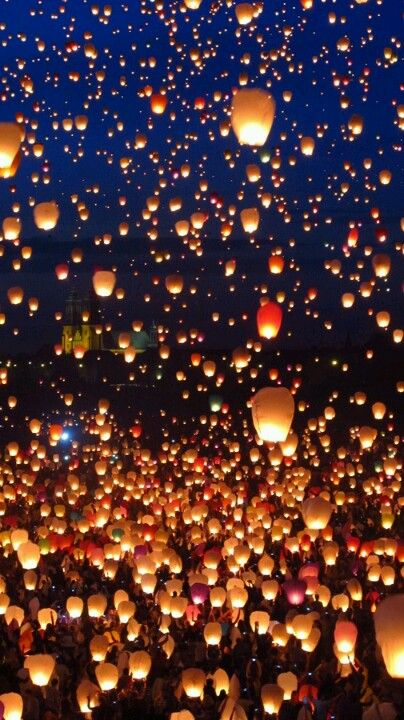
{"points": [[272, 412], [252, 115], [104, 282]]}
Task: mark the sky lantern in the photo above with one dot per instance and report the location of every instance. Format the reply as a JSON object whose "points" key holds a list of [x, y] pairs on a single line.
{"points": [[107, 676], [244, 13], [272, 697], [40, 668], [272, 412], [15, 295], [158, 103], [252, 115], [269, 319], [139, 664], [381, 265], [250, 218], [10, 140], [307, 146], [174, 284], [11, 228], [13, 706], [389, 627], [193, 682], [316, 513], [46, 215], [345, 634], [104, 282], [29, 554]]}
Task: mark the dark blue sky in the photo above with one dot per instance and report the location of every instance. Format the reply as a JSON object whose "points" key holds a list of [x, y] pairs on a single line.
{"points": [[284, 37]]}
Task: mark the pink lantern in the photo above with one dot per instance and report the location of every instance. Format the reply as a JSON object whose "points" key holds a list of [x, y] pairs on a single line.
{"points": [[295, 591]]}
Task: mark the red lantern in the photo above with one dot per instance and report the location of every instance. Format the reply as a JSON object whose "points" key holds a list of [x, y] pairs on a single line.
{"points": [[269, 320]]}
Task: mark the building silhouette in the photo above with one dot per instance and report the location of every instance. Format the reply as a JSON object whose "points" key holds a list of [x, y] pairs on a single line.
{"points": [[83, 328]]}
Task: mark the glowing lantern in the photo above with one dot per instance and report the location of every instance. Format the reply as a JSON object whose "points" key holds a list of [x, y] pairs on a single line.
{"points": [[46, 215], [99, 647], [174, 284], [288, 682], [104, 282], [389, 626], [74, 606], [40, 668], [193, 681], [269, 320], [295, 591], [244, 13], [259, 622], [158, 103], [15, 295], [316, 513], [272, 412], [250, 218], [272, 697], [139, 664], [96, 605], [212, 633], [29, 554], [252, 115], [307, 146], [10, 141], [107, 676], [345, 634], [12, 706]]}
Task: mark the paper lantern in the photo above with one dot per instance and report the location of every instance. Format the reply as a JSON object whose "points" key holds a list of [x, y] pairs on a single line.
{"points": [[29, 554], [345, 634], [104, 282], [272, 698], [13, 706], [269, 320], [316, 513], [193, 682], [74, 606], [87, 695], [288, 682], [174, 284], [259, 622], [250, 219], [107, 676], [96, 605], [47, 616], [212, 633], [14, 613], [244, 13], [10, 141], [252, 115], [272, 412], [307, 146], [302, 626], [46, 215], [139, 664], [40, 668], [295, 591]]}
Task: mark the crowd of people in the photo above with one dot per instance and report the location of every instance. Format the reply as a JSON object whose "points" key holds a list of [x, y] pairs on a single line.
{"points": [[197, 522]]}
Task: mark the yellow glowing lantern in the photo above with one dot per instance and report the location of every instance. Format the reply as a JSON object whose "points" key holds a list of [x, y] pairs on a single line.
{"points": [[107, 676], [272, 412], [193, 681], [13, 706], [40, 668], [139, 664], [389, 626], [272, 697], [252, 115]]}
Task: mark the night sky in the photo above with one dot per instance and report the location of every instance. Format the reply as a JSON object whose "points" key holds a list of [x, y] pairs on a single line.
{"points": [[338, 59]]}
